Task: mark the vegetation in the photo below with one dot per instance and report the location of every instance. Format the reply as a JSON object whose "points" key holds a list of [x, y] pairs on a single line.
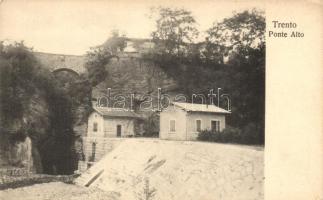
{"points": [[151, 125], [232, 135], [34, 104], [232, 57], [175, 31], [148, 193], [97, 59]]}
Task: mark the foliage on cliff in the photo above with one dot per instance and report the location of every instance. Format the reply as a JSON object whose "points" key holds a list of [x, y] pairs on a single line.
{"points": [[232, 57], [33, 105], [175, 30]]}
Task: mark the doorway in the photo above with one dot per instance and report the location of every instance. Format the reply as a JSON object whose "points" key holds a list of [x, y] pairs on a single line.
{"points": [[118, 130]]}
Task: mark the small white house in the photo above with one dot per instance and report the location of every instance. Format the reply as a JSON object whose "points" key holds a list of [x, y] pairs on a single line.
{"points": [[105, 128], [183, 121], [108, 122]]}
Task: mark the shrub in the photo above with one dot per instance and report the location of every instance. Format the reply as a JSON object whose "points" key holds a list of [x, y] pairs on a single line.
{"points": [[151, 125], [250, 134], [203, 136], [231, 135], [206, 135]]}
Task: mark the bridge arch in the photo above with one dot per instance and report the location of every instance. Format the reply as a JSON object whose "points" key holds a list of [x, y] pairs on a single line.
{"points": [[71, 71]]}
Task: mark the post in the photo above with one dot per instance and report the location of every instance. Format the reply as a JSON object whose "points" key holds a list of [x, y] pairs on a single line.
{"points": [[219, 97]]}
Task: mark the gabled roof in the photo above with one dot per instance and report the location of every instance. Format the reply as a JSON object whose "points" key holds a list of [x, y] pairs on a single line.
{"points": [[115, 112], [192, 107]]}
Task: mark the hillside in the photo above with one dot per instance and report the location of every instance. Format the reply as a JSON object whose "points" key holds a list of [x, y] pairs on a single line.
{"points": [[132, 75], [179, 170]]}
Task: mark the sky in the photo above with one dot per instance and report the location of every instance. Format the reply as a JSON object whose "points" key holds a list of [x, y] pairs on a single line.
{"points": [[73, 26]]}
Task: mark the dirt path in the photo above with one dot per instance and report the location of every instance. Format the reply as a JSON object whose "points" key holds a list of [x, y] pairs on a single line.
{"points": [[56, 191]]}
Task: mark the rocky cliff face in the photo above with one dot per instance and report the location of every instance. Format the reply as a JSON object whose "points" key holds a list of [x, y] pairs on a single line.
{"points": [[129, 74], [22, 150], [36, 113]]}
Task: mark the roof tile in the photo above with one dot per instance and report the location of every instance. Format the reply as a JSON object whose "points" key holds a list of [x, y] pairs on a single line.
{"points": [[116, 112], [192, 107]]}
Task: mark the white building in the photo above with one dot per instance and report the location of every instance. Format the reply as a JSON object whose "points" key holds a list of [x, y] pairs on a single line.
{"points": [[105, 128], [183, 121]]}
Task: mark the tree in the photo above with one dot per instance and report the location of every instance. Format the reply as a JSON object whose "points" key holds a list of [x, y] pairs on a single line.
{"points": [[246, 29], [97, 58], [235, 35], [242, 39], [33, 105], [116, 43], [175, 29]]}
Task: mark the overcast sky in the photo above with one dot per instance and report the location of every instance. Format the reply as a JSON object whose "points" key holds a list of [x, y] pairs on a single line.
{"points": [[72, 26]]}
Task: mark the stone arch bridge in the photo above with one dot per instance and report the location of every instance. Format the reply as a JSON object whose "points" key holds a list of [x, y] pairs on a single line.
{"points": [[74, 64]]}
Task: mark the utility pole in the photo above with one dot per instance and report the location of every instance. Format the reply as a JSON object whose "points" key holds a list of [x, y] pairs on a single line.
{"points": [[219, 97]]}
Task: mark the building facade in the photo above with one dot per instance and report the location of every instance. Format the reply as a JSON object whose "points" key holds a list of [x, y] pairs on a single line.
{"points": [[183, 121], [105, 130]]}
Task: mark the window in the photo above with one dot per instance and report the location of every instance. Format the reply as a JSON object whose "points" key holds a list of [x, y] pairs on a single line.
{"points": [[215, 126], [95, 127], [172, 126], [92, 158], [198, 125]]}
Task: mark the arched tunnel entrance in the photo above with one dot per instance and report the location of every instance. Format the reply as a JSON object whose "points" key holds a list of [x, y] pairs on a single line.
{"points": [[66, 76]]}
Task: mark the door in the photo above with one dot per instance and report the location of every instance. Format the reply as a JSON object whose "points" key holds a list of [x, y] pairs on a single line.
{"points": [[118, 130]]}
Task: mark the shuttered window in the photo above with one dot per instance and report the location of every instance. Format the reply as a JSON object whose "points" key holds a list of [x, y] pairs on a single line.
{"points": [[172, 126], [95, 127], [198, 125]]}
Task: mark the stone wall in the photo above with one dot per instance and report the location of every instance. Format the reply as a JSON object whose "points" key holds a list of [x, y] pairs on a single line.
{"points": [[58, 61], [24, 152], [133, 75], [103, 147]]}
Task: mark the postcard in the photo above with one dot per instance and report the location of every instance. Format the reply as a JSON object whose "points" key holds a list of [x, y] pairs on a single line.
{"points": [[161, 100]]}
